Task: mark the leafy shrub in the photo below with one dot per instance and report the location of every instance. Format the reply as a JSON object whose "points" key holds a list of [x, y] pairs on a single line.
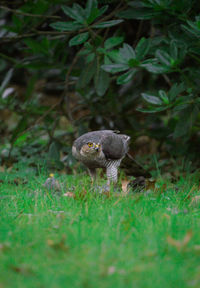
{"points": [[130, 65]]}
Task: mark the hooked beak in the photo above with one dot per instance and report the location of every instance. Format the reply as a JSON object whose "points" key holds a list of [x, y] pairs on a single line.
{"points": [[97, 148]]}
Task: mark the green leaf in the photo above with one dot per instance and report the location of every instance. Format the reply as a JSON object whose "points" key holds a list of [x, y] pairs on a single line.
{"points": [[115, 56], [103, 9], [18, 24], [6, 79], [66, 26], [90, 5], [101, 50], [54, 151], [21, 139], [86, 75], [107, 23], [97, 41], [90, 57], [79, 39], [162, 94], [88, 46], [133, 62], [127, 53], [192, 28], [151, 99], [112, 42], [37, 47], [173, 49], [142, 48], [180, 106], [21, 126], [154, 68], [163, 57], [114, 68], [126, 77], [102, 81], [107, 60], [186, 120], [94, 14], [76, 12], [30, 86], [152, 109], [140, 14], [175, 90]]}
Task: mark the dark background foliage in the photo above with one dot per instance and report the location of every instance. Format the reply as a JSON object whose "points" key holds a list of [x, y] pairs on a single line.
{"points": [[67, 67]]}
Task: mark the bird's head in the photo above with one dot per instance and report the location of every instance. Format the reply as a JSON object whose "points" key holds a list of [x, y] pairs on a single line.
{"points": [[91, 148]]}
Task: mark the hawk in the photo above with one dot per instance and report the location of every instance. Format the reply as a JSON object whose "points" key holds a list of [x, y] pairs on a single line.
{"points": [[101, 149]]}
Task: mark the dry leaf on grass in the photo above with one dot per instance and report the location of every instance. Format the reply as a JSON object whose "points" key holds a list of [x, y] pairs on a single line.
{"points": [[111, 270], [180, 244], [107, 194], [4, 246], [69, 194], [150, 184], [18, 181], [165, 215], [124, 184], [188, 196], [195, 201], [81, 195], [116, 202], [60, 245], [2, 169], [196, 247], [22, 269]]}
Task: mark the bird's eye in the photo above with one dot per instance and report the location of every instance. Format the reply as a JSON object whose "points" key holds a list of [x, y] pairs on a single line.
{"points": [[90, 144]]}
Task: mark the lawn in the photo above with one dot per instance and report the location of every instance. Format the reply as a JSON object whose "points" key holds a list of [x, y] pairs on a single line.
{"points": [[151, 239]]}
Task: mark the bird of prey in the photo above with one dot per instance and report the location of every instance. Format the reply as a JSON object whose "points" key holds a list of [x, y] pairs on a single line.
{"points": [[101, 149]]}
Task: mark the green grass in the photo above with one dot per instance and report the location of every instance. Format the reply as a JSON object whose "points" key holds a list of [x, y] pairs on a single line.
{"points": [[55, 241]]}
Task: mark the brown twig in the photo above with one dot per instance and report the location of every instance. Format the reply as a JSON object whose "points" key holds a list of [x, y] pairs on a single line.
{"points": [[12, 2], [138, 32], [139, 164], [10, 39], [65, 95], [28, 14], [116, 10], [167, 80], [36, 33]]}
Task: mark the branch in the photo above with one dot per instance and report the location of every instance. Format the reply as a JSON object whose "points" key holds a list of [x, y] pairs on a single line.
{"points": [[12, 60], [28, 14], [12, 2], [36, 33], [10, 39], [65, 95], [114, 12]]}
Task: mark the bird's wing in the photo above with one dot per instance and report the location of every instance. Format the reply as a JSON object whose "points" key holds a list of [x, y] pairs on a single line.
{"points": [[113, 146]]}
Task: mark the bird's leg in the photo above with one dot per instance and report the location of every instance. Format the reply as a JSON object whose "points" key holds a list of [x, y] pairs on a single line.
{"points": [[92, 172], [111, 173]]}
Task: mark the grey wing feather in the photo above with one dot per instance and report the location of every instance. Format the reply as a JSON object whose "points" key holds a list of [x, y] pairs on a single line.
{"points": [[114, 146]]}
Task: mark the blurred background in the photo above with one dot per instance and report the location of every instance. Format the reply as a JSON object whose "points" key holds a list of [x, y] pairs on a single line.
{"points": [[69, 67]]}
